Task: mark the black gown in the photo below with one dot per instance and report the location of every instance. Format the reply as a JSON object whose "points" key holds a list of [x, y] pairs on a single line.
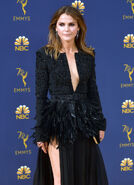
{"points": [[73, 117]]}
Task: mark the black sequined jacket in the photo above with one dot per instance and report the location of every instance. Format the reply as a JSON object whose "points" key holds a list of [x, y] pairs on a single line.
{"points": [[66, 111]]}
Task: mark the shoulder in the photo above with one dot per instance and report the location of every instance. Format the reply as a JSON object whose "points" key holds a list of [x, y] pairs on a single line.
{"points": [[41, 52], [90, 52], [90, 56], [41, 59]]}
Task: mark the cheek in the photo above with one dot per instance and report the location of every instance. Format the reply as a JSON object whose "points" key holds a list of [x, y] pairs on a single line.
{"points": [[60, 29], [73, 30]]}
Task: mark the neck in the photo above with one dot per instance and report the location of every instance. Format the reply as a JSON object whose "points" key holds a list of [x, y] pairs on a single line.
{"points": [[69, 47]]}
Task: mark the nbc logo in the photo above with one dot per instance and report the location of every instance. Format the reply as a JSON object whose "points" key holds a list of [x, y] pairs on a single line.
{"points": [[126, 164], [129, 41], [128, 107], [79, 5], [23, 173], [21, 44], [22, 112]]}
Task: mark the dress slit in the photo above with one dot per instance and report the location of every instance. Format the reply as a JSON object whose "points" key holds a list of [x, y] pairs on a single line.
{"points": [[81, 163]]}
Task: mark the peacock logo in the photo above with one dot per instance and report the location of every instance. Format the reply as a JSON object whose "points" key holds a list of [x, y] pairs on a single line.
{"points": [[21, 40], [21, 44], [79, 5], [23, 173], [129, 41], [23, 4], [23, 75], [22, 112], [126, 164], [127, 106]]}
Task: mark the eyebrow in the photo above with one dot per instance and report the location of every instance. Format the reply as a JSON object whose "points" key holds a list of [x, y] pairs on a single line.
{"points": [[69, 22]]}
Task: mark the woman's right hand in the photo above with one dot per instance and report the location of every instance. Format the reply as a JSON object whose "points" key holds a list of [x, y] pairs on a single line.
{"points": [[43, 145]]}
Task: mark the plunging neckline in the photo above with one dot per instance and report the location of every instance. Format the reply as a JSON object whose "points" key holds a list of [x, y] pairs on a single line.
{"points": [[77, 69]]}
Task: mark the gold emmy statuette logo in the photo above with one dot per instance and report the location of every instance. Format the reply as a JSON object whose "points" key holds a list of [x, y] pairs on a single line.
{"points": [[128, 131], [128, 106], [79, 5], [21, 44], [23, 173], [132, 5], [129, 41], [129, 70], [23, 4], [22, 112], [23, 74], [23, 137], [126, 164]]}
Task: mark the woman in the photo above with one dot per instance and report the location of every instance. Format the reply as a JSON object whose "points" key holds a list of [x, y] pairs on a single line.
{"points": [[70, 122]]}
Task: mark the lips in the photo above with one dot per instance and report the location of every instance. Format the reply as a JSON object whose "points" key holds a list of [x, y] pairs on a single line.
{"points": [[67, 34]]}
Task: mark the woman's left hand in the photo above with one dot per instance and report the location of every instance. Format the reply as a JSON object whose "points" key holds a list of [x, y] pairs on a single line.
{"points": [[101, 134]]}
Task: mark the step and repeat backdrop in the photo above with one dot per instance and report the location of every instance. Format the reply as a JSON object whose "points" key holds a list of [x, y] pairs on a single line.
{"points": [[24, 29]]}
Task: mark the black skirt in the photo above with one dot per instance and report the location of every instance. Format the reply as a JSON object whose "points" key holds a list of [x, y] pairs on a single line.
{"points": [[81, 163]]}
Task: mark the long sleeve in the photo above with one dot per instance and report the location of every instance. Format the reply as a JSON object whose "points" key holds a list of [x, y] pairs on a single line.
{"points": [[94, 98], [41, 90], [41, 85]]}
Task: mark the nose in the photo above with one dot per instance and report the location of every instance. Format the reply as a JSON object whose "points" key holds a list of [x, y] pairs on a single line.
{"points": [[66, 28]]}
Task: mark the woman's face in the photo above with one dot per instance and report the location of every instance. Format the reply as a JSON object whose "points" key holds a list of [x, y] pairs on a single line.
{"points": [[67, 27]]}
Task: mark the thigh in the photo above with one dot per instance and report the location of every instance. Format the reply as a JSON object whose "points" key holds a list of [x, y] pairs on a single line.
{"points": [[54, 158]]}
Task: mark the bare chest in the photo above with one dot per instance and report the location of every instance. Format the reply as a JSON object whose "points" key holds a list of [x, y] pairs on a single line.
{"points": [[73, 70]]}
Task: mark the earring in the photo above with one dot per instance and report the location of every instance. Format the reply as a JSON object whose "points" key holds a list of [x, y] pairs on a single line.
{"points": [[77, 35]]}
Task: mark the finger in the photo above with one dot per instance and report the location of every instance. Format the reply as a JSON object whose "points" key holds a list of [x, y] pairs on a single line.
{"points": [[46, 145], [44, 150], [40, 145]]}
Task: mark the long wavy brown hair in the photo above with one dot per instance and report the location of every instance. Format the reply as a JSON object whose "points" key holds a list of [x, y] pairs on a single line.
{"points": [[54, 44]]}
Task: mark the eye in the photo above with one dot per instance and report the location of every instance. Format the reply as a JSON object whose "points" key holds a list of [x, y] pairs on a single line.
{"points": [[61, 24], [71, 24]]}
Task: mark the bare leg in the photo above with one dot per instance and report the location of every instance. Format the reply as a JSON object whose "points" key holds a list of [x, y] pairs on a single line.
{"points": [[55, 162]]}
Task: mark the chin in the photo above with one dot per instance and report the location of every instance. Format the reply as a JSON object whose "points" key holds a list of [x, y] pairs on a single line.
{"points": [[67, 39]]}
